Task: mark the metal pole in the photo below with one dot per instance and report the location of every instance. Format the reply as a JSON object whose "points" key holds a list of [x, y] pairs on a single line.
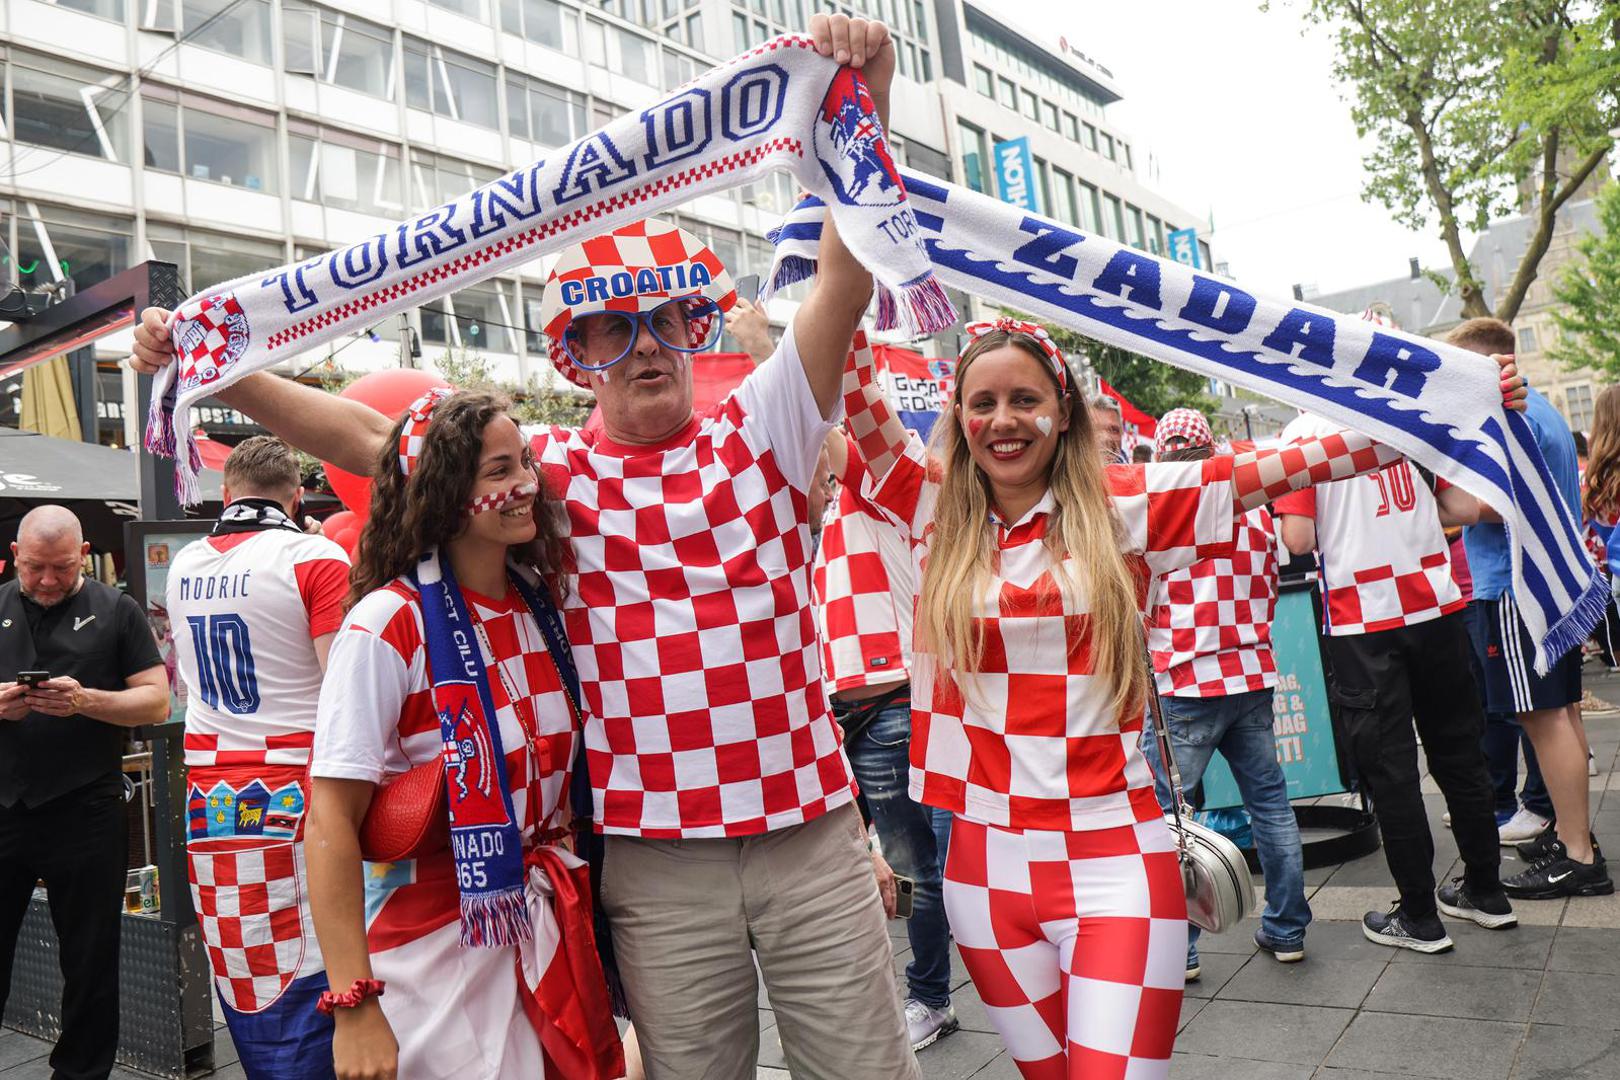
{"points": [[82, 369]]}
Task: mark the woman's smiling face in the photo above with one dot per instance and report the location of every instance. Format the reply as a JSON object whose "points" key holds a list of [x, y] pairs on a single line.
{"points": [[1011, 415]]}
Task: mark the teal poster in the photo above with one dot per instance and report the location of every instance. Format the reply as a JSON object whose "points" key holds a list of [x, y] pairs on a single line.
{"points": [[1300, 721]]}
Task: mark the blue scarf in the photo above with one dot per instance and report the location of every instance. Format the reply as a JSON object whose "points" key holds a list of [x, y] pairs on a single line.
{"points": [[486, 839], [1437, 404]]}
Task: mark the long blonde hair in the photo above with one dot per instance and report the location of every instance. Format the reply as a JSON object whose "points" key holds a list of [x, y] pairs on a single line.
{"points": [[1602, 496], [1085, 539]]}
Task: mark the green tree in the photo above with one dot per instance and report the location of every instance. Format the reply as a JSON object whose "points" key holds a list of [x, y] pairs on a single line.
{"points": [[1151, 385], [466, 368], [1477, 107], [1588, 293]]}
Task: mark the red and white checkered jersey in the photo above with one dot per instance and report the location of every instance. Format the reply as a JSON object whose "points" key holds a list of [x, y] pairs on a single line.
{"points": [[866, 584], [691, 619], [1209, 627], [1028, 741], [377, 718], [244, 609], [1384, 561]]}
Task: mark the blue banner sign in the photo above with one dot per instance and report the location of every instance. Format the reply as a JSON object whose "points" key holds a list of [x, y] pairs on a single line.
{"points": [[1015, 173], [1184, 247]]}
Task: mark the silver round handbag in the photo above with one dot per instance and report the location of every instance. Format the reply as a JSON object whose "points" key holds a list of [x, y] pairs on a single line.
{"points": [[1213, 871]]}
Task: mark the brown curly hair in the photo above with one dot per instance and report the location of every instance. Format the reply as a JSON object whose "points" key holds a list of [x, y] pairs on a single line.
{"points": [[408, 516]]}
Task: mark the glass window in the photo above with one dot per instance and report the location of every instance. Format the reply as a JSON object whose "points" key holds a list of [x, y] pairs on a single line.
{"points": [[1090, 139], [483, 313], [983, 81], [927, 159], [1043, 189], [694, 31], [975, 157], [1049, 114], [106, 9], [436, 181], [161, 121], [337, 171], [230, 149], [418, 86], [359, 54], [1091, 211], [1032, 104], [1009, 92], [473, 9], [89, 248], [1113, 221], [1133, 227], [1063, 197], [238, 28], [1578, 404], [216, 259], [1207, 260], [1071, 127], [1126, 147], [449, 84], [542, 113], [1528, 343], [66, 108], [638, 58], [544, 22], [739, 31], [1155, 235], [1108, 146]]}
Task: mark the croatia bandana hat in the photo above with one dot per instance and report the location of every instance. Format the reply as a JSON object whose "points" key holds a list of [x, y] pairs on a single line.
{"points": [[634, 268], [1188, 425], [1008, 325], [414, 432]]}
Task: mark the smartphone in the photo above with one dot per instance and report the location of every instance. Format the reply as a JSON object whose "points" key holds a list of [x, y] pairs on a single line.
{"points": [[748, 287], [32, 678], [904, 889]]}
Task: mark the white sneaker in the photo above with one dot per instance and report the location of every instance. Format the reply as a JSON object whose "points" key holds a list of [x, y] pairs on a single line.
{"points": [[924, 1023], [1523, 825], [1591, 764]]}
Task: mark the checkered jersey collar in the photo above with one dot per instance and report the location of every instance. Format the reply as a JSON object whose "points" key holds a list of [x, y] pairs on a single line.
{"points": [[1031, 526]]}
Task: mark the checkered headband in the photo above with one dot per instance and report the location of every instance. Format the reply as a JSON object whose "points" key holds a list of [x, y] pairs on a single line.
{"points": [[1009, 325], [414, 433], [1186, 424], [633, 268]]}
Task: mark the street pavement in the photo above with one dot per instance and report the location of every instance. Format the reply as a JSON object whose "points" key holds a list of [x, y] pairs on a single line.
{"points": [[1537, 1002]]}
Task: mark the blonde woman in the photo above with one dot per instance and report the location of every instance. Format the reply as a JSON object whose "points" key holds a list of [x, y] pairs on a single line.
{"points": [[1061, 884]]}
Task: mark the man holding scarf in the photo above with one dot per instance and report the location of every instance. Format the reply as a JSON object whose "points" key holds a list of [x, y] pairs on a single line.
{"points": [[726, 801], [255, 606]]}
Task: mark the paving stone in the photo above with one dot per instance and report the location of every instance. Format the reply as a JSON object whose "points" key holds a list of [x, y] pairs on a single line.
{"points": [[37, 1069], [1318, 980], [1523, 947], [1478, 993], [1337, 940], [1581, 949], [1578, 999], [959, 1055], [1428, 1046], [762, 1073], [1339, 902], [1001, 1067], [970, 1011], [1239, 939], [1568, 1053], [17, 1048], [1190, 1007], [1300, 1034], [1218, 968], [1326, 1073], [1206, 1067], [1602, 911]]}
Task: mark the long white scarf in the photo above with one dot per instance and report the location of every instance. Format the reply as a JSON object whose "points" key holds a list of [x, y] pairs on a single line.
{"points": [[781, 105], [1439, 405]]}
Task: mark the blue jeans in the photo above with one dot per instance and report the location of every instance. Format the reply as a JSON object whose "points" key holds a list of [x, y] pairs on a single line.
{"points": [[880, 756], [1239, 726]]}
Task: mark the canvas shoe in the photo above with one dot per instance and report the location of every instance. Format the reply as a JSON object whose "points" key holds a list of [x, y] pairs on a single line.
{"points": [[1522, 826], [1285, 954], [1556, 875], [926, 1024], [1398, 929], [1493, 912]]}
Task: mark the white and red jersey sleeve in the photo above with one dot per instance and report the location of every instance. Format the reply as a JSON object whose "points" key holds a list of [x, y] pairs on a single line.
{"points": [[691, 616], [1029, 740], [1384, 557], [377, 718], [1209, 629], [865, 582], [245, 609]]}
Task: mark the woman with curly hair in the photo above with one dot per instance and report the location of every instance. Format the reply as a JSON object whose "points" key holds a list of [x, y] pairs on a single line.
{"points": [[444, 680], [1061, 885]]}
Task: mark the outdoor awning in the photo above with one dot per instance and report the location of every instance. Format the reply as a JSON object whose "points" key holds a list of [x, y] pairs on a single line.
{"points": [[97, 483]]}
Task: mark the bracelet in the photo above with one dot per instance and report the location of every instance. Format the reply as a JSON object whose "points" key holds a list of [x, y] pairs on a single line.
{"points": [[353, 996]]}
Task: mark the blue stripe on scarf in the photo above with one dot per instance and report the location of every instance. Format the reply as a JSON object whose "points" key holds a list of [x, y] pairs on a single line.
{"points": [[485, 839]]}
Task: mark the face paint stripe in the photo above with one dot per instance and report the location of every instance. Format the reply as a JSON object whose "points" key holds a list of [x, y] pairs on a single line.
{"points": [[500, 500]]}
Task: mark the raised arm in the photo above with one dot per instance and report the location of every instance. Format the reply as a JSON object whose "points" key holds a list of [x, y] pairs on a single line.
{"points": [[880, 438], [1260, 476], [827, 319], [346, 433]]}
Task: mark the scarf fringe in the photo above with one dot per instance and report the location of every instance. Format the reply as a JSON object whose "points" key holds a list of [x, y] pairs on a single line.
{"points": [[792, 270], [493, 920], [1573, 629], [922, 308]]}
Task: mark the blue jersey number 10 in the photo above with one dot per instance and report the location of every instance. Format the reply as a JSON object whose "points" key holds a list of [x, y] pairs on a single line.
{"points": [[225, 663]]}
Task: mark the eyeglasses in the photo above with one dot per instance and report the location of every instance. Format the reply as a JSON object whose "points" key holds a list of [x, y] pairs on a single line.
{"points": [[690, 325]]}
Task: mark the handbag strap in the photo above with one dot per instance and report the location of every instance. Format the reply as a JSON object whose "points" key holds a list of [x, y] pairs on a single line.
{"points": [[1167, 757], [581, 800]]}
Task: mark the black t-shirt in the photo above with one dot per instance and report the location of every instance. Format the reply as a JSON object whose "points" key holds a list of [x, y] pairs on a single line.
{"points": [[100, 637]]}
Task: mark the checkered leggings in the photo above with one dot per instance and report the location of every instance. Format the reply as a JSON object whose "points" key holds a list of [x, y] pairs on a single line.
{"points": [[1077, 943]]}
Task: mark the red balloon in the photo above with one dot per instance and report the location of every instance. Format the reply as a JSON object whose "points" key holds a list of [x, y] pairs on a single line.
{"points": [[340, 522], [390, 392]]}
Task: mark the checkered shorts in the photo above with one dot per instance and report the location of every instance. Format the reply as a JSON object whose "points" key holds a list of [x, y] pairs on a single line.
{"points": [[1076, 942]]}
